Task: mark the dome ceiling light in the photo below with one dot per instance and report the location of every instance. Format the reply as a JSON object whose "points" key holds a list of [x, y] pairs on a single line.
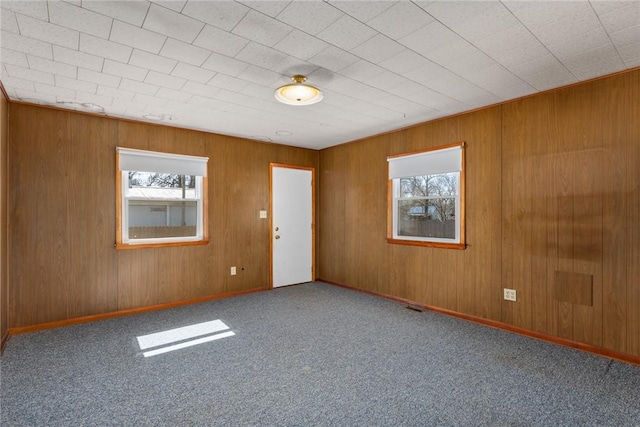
{"points": [[298, 93]]}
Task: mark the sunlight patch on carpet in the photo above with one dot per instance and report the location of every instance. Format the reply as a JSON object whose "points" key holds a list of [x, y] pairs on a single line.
{"points": [[183, 337]]}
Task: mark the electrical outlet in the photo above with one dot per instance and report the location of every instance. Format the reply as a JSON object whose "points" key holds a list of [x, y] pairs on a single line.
{"points": [[233, 271], [509, 294]]}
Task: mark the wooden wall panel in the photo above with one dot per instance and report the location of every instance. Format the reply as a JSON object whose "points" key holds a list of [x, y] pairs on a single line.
{"points": [[467, 280], [552, 185], [63, 263], [4, 282], [91, 217]]}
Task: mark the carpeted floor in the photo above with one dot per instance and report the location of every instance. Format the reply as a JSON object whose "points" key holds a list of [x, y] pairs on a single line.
{"points": [[312, 354]]}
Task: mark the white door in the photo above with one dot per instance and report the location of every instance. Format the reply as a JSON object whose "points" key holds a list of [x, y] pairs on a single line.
{"points": [[292, 225]]}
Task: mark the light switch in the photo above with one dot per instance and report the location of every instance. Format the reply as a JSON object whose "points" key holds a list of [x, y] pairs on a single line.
{"points": [[263, 214]]}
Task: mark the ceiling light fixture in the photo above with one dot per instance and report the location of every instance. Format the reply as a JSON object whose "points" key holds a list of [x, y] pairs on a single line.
{"points": [[298, 93]]}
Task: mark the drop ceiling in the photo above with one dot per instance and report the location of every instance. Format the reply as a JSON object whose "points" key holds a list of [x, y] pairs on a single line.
{"points": [[382, 65]]}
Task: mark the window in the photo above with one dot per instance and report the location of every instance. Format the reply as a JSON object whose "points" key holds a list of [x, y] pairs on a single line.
{"points": [[426, 193], [161, 199]]}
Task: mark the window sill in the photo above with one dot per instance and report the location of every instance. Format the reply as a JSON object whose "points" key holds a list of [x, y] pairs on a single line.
{"points": [[459, 246], [127, 246]]}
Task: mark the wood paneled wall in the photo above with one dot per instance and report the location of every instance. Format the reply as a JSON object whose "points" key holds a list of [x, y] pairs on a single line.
{"points": [[63, 263], [553, 211], [4, 288]]}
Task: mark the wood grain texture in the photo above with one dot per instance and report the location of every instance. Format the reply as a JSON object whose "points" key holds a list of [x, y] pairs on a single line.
{"points": [[552, 185], [63, 264], [4, 279]]}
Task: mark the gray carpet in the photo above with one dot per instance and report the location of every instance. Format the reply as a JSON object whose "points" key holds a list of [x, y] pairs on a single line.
{"points": [[312, 354]]}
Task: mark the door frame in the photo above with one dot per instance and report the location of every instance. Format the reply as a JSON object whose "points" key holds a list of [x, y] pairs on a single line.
{"points": [[313, 217]]}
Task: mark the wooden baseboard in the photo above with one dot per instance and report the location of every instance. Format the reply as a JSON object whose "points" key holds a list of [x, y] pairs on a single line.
{"points": [[120, 313], [600, 351]]}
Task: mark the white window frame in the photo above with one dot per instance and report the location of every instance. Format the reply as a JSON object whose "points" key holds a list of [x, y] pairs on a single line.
{"points": [[128, 160], [436, 161]]}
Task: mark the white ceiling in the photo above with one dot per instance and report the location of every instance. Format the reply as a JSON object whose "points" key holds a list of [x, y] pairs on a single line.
{"points": [[383, 65]]}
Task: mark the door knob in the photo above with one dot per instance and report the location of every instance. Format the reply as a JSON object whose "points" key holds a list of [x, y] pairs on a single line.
{"points": [[277, 228], [277, 236]]}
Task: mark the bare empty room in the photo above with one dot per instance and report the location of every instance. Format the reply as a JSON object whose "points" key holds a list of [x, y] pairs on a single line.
{"points": [[320, 212]]}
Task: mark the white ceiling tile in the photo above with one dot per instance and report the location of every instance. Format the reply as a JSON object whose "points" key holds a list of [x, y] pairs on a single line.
{"points": [[110, 50], [628, 36], [176, 5], [427, 72], [173, 95], [291, 66], [139, 38], [184, 52], [630, 54], [172, 24], [14, 58], [99, 78], [594, 62], [217, 40], [363, 10], [271, 8], [74, 84], [149, 100], [617, 15], [138, 87], [346, 33], [204, 101], [44, 31], [310, 17], [514, 46], [165, 80], [346, 86], [200, 89], [362, 70], [334, 59], [261, 56], [60, 93], [18, 83], [92, 98], [534, 14], [403, 62], [124, 70], [79, 59], [131, 12], [401, 19], [386, 81], [77, 18], [301, 45], [41, 64], [378, 48], [32, 96], [224, 64], [472, 19], [27, 45], [569, 45], [468, 62], [222, 81], [261, 28], [143, 59], [572, 27], [259, 75], [124, 95], [35, 9], [191, 72], [221, 14], [8, 21], [431, 36]]}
